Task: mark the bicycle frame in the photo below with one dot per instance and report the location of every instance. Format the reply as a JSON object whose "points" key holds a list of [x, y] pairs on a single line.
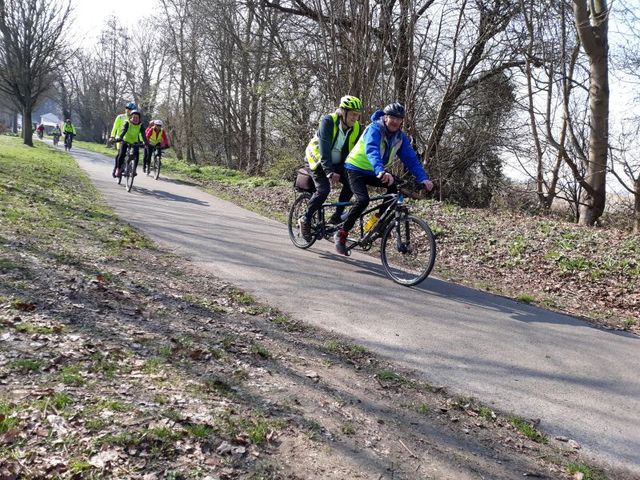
{"points": [[396, 209]]}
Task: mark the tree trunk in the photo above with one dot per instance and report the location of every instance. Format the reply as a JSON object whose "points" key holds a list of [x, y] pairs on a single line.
{"points": [[27, 127], [636, 209], [592, 205], [592, 27], [14, 126]]}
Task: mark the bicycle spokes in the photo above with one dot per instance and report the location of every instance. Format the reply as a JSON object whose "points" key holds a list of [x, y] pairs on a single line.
{"points": [[408, 250]]}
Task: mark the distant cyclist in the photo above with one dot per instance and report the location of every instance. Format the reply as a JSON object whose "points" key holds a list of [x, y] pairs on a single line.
{"points": [[69, 131], [56, 133], [131, 135], [156, 135], [326, 153], [382, 141], [116, 130]]}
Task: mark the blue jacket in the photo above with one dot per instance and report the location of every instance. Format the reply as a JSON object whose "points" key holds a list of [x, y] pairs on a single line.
{"points": [[374, 135]]}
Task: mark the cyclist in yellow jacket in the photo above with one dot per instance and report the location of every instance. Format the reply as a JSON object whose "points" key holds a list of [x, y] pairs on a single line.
{"points": [[155, 134], [131, 134], [326, 153], [69, 131], [116, 130]]}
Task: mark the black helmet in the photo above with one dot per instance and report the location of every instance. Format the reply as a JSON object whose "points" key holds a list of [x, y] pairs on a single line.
{"points": [[394, 110]]}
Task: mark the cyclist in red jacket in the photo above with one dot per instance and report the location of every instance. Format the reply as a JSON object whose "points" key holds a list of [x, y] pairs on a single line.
{"points": [[155, 135]]}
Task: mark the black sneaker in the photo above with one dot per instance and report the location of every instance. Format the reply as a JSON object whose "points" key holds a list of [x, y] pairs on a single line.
{"points": [[305, 228]]}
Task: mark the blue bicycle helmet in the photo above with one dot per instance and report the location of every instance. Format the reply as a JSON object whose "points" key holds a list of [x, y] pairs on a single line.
{"points": [[131, 106], [394, 110]]}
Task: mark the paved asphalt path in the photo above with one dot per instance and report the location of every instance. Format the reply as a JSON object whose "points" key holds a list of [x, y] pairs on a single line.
{"points": [[581, 382]]}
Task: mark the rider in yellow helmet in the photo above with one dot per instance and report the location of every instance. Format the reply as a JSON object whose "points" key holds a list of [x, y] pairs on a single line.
{"points": [[326, 153]]}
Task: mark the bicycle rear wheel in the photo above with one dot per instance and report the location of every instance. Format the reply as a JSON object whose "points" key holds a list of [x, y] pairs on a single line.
{"points": [[129, 174], [408, 250], [298, 208]]}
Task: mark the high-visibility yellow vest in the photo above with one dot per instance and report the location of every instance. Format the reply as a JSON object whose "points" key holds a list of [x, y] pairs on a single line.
{"points": [[313, 149], [358, 157]]}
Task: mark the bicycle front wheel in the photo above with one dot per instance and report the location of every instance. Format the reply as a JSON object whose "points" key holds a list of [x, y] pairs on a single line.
{"points": [[129, 175], [298, 208], [408, 250], [156, 167]]}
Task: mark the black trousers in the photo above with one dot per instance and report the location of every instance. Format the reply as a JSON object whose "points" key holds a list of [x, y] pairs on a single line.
{"points": [[148, 151], [323, 187], [123, 153], [359, 182]]}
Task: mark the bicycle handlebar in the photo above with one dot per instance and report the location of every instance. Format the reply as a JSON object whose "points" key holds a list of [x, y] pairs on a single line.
{"points": [[415, 190]]}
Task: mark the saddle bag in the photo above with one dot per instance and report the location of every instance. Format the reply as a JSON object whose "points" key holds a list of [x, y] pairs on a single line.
{"points": [[304, 180]]}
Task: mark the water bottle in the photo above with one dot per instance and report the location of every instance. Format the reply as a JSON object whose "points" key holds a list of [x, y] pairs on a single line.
{"points": [[373, 219]]}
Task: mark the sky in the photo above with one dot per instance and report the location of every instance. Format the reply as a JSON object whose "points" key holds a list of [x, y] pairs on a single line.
{"points": [[90, 15]]}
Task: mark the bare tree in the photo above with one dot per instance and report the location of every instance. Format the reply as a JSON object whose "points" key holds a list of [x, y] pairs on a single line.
{"points": [[625, 166], [592, 24], [31, 51]]}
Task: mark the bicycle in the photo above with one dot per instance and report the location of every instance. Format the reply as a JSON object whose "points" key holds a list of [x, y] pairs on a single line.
{"points": [[129, 166], [68, 141], [407, 245], [56, 139], [156, 163]]}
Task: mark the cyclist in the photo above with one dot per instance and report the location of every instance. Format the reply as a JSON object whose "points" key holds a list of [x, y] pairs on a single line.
{"points": [[326, 153], [116, 130], [155, 134], [131, 135], [69, 132], [40, 131], [382, 141], [56, 133]]}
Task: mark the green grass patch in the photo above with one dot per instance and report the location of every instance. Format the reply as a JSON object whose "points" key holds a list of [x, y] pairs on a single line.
{"points": [[260, 350], [199, 431], [243, 298], [258, 430], [7, 264], [526, 298], [517, 247], [27, 364], [114, 405], [109, 365], [390, 376], [589, 473], [437, 230], [487, 414], [217, 174], [348, 429], [347, 349], [7, 421], [70, 375], [528, 430], [78, 466], [95, 147], [153, 365], [27, 327]]}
